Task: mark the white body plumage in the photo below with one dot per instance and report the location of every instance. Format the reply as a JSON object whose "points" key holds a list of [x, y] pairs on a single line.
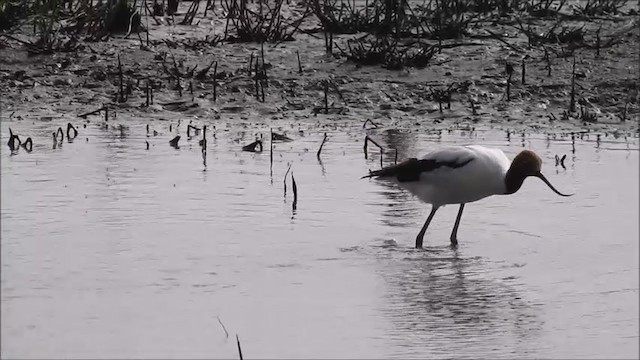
{"points": [[482, 176]]}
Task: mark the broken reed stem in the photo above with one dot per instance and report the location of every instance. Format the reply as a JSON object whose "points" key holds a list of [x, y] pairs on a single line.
{"points": [[572, 103], [264, 69], [295, 192], [239, 348], [326, 97], [321, 145], [223, 327], [121, 91], [284, 180], [147, 93], [375, 126], [509, 87], [367, 139], [548, 59], [215, 82], [299, 64], [204, 138], [257, 82], [598, 43]]}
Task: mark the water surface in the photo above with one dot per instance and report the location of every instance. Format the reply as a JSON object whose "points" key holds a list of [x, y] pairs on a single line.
{"points": [[110, 250]]}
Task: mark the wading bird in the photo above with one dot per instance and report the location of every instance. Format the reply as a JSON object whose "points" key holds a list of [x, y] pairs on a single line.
{"points": [[460, 175]]}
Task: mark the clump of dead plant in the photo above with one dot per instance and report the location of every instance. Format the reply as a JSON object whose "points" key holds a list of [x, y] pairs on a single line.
{"points": [[391, 53], [259, 21], [599, 7]]}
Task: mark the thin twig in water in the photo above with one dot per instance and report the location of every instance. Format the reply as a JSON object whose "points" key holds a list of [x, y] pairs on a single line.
{"points": [[295, 191], [239, 348], [321, 145], [284, 181], [223, 327]]}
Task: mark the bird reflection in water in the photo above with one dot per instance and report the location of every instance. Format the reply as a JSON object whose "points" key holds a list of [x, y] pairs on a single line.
{"points": [[441, 303]]}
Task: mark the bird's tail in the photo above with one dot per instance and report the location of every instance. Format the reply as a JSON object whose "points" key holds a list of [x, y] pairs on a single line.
{"points": [[396, 170]]}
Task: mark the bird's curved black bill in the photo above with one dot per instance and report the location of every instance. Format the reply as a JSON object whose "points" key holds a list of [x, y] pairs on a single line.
{"points": [[539, 175]]}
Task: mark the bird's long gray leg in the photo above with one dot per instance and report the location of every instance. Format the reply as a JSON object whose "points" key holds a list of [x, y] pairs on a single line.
{"points": [[424, 228], [454, 233]]}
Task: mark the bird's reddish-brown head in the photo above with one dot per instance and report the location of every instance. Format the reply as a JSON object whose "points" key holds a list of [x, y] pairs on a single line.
{"points": [[525, 164]]}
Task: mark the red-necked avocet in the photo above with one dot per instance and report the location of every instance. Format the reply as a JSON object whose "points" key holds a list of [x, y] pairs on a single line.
{"points": [[460, 175]]}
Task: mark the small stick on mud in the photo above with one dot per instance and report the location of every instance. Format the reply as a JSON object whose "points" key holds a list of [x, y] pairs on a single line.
{"points": [[326, 96], [299, 64], [146, 91], [121, 97], [573, 143], [271, 151], [598, 43], [84, 116], [239, 348], [572, 103], [264, 69], [524, 71], [473, 106], [509, 74], [369, 121], [147, 144], [295, 192], [548, 59], [562, 161], [257, 82], [395, 160], [106, 113], [215, 82], [223, 327], [321, 145]]}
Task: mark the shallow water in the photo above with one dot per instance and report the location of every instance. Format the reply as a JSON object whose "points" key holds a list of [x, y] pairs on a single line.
{"points": [[111, 250]]}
